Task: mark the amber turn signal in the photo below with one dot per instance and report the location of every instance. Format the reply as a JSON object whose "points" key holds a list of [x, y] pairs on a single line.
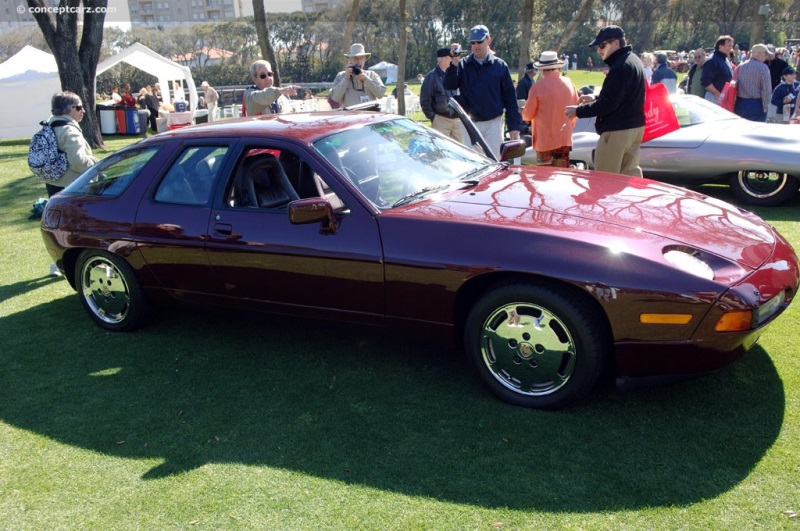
{"points": [[665, 318], [737, 321]]}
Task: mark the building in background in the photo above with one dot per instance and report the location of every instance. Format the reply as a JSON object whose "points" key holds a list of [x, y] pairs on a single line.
{"points": [[182, 12], [320, 5]]}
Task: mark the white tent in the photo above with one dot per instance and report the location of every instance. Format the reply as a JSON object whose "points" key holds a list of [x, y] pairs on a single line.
{"points": [[143, 58], [28, 81], [388, 71]]}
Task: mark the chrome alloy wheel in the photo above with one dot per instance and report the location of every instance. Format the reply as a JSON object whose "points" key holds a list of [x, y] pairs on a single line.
{"points": [[105, 290], [762, 184], [528, 349]]}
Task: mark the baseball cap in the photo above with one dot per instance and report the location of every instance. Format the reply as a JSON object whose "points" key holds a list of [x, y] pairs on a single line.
{"points": [[478, 33], [529, 67], [788, 71], [608, 33]]}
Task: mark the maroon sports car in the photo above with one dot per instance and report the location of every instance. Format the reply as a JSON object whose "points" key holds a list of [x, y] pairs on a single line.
{"points": [[544, 275]]}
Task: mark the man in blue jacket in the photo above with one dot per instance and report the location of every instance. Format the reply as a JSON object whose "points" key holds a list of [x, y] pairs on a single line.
{"points": [[717, 69], [486, 89], [619, 109]]}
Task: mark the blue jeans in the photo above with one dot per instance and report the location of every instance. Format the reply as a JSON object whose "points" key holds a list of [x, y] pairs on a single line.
{"points": [[750, 109]]}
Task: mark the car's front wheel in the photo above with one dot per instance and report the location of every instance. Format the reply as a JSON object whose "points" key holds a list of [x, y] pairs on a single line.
{"points": [[109, 291], [764, 188], [535, 345]]}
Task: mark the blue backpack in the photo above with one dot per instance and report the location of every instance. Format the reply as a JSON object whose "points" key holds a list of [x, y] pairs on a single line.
{"points": [[44, 159]]}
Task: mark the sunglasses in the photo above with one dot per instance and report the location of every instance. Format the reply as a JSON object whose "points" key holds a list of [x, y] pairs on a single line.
{"points": [[78, 107], [265, 76], [473, 43], [602, 45]]}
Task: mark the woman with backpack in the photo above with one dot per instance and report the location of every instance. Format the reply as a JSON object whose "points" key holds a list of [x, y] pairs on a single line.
{"points": [[67, 112]]}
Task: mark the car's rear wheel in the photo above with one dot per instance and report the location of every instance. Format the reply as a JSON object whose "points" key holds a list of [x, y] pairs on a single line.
{"points": [[536, 346], [110, 291], [764, 188]]}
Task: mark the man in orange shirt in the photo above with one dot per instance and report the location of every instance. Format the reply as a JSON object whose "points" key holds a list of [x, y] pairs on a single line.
{"points": [[544, 108]]}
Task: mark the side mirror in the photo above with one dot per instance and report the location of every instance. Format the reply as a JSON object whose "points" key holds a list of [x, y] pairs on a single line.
{"points": [[512, 149], [313, 210]]}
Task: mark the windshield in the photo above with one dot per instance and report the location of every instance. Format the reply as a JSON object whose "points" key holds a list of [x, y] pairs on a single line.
{"points": [[692, 110], [398, 161]]}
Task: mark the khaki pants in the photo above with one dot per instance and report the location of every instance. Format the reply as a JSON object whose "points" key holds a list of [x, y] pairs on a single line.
{"points": [[618, 152], [451, 127], [492, 131]]}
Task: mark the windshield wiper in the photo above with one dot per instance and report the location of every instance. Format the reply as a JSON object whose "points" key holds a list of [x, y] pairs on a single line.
{"points": [[419, 193], [467, 177]]}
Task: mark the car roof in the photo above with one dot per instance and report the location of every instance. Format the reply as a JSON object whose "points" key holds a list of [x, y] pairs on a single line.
{"points": [[304, 127]]}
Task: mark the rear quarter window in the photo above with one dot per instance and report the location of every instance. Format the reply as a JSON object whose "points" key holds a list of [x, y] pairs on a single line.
{"points": [[112, 175]]}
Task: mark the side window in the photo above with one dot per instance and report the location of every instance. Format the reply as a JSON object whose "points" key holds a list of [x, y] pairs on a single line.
{"points": [[191, 178], [111, 176]]}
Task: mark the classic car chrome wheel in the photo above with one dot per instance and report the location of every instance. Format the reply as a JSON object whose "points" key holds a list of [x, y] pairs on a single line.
{"points": [[109, 291], [764, 188], [536, 346]]}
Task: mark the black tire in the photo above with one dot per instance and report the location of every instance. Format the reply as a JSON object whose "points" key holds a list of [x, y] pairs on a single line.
{"points": [[109, 291], [763, 188], [536, 346]]}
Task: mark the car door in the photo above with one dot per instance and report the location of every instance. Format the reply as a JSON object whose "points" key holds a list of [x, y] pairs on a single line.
{"points": [[262, 260], [172, 219]]}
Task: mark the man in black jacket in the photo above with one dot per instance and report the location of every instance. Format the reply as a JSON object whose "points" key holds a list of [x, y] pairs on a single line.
{"points": [[619, 109], [433, 97]]}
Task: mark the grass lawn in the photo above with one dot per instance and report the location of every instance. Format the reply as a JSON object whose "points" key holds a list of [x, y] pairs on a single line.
{"points": [[212, 420]]}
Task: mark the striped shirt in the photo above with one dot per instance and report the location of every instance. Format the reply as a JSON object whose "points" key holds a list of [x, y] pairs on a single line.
{"points": [[754, 82]]}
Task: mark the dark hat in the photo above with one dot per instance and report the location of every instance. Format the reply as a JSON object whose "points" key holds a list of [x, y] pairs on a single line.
{"points": [[608, 33], [478, 33], [788, 70], [444, 52], [529, 67]]}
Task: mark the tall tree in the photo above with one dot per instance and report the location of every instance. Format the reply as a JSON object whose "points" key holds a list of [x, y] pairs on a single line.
{"points": [[401, 62], [76, 61], [580, 16], [351, 24], [525, 22], [262, 30]]}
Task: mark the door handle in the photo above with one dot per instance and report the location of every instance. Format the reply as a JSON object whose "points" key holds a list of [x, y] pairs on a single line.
{"points": [[223, 228]]}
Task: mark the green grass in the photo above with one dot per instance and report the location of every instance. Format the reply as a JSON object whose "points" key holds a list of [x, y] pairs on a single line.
{"points": [[211, 420]]}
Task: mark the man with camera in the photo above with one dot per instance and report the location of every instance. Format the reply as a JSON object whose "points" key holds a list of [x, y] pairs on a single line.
{"points": [[356, 84], [486, 90], [433, 96]]}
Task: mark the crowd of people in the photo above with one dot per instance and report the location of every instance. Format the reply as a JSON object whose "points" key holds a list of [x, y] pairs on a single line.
{"points": [[764, 76]]}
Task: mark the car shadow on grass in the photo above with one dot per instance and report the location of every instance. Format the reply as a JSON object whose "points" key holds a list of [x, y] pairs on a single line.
{"points": [[364, 407]]}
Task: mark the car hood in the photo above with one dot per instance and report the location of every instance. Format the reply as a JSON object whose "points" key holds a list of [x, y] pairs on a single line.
{"points": [[608, 209]]}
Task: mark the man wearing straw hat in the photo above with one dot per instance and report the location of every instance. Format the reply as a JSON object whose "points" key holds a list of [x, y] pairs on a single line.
{"points": [[355, 84], [544, 108]]}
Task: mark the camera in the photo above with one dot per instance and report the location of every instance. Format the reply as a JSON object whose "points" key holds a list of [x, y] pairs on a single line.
{"points": [[458, 52], [355, 69]]}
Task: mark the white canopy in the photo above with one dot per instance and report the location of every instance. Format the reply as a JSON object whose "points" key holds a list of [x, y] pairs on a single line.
{"points": [[386, 70], [143, 58], [28, 81]]}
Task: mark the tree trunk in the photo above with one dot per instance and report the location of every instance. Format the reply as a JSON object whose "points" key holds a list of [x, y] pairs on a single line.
{"points": [[525, 22], [262, 31], [77, 66], [580, 16], [401, 61], [350, 27]]}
